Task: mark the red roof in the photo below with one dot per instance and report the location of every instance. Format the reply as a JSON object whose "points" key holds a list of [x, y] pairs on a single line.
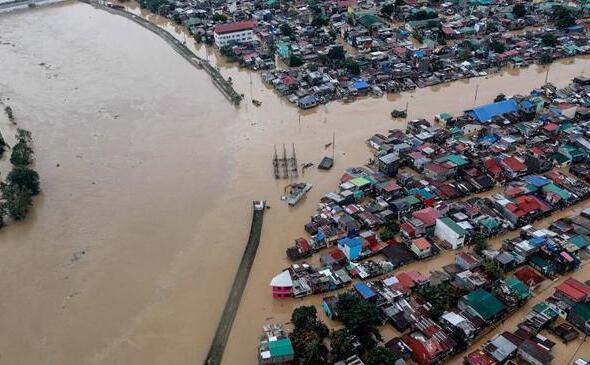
{"points": [[514, 164], [303, 244], [391, 186], [234, 27], [492, 166], [550, 127], [528, 276], [574, 289], [478, 357], [338, 255], [525, 204], [421, 243], [428, 216], [408, 228]]}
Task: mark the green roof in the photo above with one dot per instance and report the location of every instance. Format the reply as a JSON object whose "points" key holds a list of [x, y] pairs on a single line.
{"points": [[579, 240], [359, 181], [281, 348], [583, 310], [410, 199], [454, 226], [444, 116], [455, 159], [517, 287], [490, 223], [483, 303], [563, 194], [368, 20], [545, 309], [543, 264]]}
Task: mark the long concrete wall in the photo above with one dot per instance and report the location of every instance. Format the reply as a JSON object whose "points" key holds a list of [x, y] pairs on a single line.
{"points": [[222, 84]]}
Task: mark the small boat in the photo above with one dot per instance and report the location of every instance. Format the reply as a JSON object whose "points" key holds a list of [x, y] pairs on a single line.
{"points": [[256, 102], [298, 191], [398, 113]]}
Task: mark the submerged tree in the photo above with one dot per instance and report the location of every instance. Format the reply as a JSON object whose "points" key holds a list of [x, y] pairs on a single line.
{"points": [[342, 344], [22, 154], [519, 10], [25, 178], [380, 356], [361, 318], [17, 200], [387, 9]]}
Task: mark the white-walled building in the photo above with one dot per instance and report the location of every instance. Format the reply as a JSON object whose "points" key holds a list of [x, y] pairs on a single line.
{"points": [[447, 230], [237, 32]]}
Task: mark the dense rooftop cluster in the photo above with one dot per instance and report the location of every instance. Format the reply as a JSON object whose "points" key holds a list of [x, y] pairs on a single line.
{"points": [[343, 48], [450, 184]]}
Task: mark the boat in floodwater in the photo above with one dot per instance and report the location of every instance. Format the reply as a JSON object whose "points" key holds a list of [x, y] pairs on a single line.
{"points": [[298, 191]]}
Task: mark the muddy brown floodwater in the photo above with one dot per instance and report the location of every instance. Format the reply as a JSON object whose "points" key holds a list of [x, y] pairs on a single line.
{"points": [[148, 170]]}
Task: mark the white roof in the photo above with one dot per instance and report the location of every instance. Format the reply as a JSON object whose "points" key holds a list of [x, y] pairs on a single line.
{"points": [[390, 281], [453, 318], [283, 279]]}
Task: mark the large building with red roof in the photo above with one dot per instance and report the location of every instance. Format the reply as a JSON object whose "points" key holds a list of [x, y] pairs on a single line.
{"points": [[236, 32]]}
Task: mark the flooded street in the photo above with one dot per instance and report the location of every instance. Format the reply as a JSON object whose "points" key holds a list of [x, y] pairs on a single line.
{"points": [[150, 171]]}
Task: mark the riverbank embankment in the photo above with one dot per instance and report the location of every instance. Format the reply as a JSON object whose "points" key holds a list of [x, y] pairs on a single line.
{"points": [[235, 295], [222, 84]]}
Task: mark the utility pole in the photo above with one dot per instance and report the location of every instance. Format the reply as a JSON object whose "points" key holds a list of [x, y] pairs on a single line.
{"points": [[476, 90]]}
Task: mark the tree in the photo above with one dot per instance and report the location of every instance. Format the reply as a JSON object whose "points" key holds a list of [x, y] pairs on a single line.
{"points": [[387, 9], [295, 61], [218, 17], [480, 241], [308, 347], [353, 67], [424, 14], [176, 18], [549, 40], [465, 54], [24, 177], [21, 155], [493, 268], [436, 65], [17, 200], [545, 58], [306, 318], [336, 53], [519, 10], [380, 356], [441, 298], [342, 344], [563, 17], [389, 231], [361, 318], [499, 97], [286, 30], [319, 21], [497, 46], [400, 2]]}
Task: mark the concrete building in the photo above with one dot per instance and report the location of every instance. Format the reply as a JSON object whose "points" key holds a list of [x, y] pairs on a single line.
{"points": [[449, 231], [237, 32]]}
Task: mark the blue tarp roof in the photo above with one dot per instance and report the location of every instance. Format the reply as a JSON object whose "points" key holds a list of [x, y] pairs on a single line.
{"points": [[351, 242], [537, 241], [491, 139], [485, 113], [527, 104], [364, 290], [360, 84], [536, 180]]}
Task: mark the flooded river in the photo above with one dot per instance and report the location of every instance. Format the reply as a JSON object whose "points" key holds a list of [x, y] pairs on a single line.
{"points": [[148, 174]]}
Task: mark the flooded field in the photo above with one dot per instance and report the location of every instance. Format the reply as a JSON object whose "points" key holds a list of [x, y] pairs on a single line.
{"points": [[148, 170]]}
